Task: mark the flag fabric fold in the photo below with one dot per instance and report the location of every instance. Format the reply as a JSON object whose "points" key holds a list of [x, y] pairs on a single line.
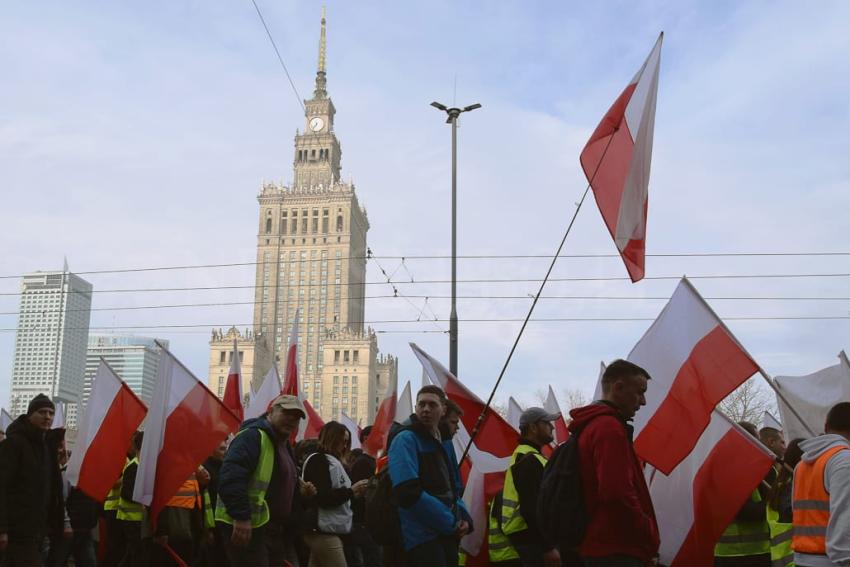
{"points": [[185, 422], [353, 429], [552, 406], [694, 363], [112, 415], [5, 420], [384, 418], [404, 408], [59, 421], [811, 396], [514, 412], [702, 495], [265, 394], [616, 161], [233, 386], [767, 420]]}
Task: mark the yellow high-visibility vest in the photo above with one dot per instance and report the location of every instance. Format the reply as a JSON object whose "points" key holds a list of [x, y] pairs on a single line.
{"points": [[512, 520], [257, 486]]}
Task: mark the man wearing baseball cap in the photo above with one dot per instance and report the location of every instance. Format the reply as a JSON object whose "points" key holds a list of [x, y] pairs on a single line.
{"points": [[30, 485], [517, 514], [259, 492]]}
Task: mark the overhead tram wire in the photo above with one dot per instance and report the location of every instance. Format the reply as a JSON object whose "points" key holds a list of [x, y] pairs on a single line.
{"points": [[433, 316], [461, 257], [471, 320], [279, 57], [482, 281]]}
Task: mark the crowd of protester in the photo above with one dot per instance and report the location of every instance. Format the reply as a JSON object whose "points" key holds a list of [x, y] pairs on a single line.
{"points": [[260, 500]]}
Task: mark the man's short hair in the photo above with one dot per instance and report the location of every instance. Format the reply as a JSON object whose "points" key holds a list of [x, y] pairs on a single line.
{"points": [[452, 407], [838, 418], [432, 389], [768, 434], [619, 370], [750, 427]]}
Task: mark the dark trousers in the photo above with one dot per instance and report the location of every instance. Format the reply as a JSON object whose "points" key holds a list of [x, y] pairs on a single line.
{"points": [[116, 545], [23, 553], [440, 552], [762, 560], [133, 552], [530, 555], [80, 547], [613, 561], [270, 546]]}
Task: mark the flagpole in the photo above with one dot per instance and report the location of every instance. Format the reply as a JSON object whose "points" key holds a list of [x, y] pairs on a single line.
{"points": [[534, 303], [765, 375]]}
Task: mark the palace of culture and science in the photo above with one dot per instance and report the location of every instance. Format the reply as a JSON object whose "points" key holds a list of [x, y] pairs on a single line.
{"points": [[311, 255]]}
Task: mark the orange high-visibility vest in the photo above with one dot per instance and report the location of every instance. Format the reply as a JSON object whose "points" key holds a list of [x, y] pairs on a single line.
{"points": [[188, 495], [811, 505]]}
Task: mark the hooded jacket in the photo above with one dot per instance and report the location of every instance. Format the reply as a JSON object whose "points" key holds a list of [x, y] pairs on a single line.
{"points": [[30, 483], [239, 464], [621, 519], [836, 480]]}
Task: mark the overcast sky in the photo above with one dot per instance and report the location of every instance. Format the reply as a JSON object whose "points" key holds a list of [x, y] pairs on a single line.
{"points": [[138, 135]]}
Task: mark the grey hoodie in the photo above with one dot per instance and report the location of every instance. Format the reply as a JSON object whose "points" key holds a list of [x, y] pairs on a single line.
{"points": [[836, 480]]}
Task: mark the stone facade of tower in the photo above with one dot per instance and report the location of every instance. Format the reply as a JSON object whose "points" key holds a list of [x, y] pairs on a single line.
{"points": [[254, 354], [311, 264]]}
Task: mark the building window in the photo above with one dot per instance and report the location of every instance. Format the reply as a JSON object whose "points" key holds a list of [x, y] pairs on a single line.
{"points": [[336, 379], [336, 356], [339, 223], [294, 223], [268, 225], [283, 220], [222, 356], [356, 356], [345, 357]]}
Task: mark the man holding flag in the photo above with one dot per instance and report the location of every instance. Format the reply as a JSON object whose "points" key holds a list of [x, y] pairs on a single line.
{"points": [[259, 490]]}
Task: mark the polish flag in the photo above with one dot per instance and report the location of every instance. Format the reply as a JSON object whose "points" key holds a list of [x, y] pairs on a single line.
{"points": [[353, 430], [233, 387], [265, 394], [376, 444], [307, 428], [617, 158], [106, 427], [5, 420], [404, 409], [551, 406], [700, 498], [694, 362], [597, 393], [489, 456], [514, 412], [185, 423]]}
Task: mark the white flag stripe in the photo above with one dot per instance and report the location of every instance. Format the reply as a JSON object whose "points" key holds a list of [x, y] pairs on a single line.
{"points": [[811, 396], [5, 420], [768, 420], [104, 388], [353, 430], [668, 343], [404, 408], [265, 394], [647, 85], [514, 412]]}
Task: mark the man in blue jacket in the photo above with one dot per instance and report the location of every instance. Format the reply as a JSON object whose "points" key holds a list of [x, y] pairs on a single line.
{"points": [[424, 475]]}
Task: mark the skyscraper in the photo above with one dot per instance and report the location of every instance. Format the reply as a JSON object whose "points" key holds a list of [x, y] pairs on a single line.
{"points": [[50, 344], [311, 255], [134, 359]]}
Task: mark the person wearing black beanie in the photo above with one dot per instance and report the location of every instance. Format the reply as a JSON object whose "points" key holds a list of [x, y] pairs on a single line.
{"points": [[30, 485]]}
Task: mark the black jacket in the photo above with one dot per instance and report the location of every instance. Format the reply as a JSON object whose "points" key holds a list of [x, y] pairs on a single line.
{"points": [[239, 464], [528, 474], [30, 483]]}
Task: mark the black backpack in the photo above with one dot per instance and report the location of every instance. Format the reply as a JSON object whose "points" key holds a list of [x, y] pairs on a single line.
{"points": [[561, 513], [382, 520]]}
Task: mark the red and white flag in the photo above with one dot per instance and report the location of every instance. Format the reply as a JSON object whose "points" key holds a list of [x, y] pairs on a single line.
{"points": [[106, 427], [694, 363], [617, 158], [377, 441], [551, 406], [308, 428], [514, 412], [700, 498], [185, 422], [353, 430], [233, 387], [59, 421], [489, 456], [404, 409], [265, 394]]}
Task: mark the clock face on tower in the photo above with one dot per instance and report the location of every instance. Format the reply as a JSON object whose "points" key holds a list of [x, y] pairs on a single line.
{"points": [[316, 124]]}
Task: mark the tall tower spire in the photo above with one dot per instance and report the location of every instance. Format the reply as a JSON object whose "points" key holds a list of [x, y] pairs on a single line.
{"points": [[321, 78]]}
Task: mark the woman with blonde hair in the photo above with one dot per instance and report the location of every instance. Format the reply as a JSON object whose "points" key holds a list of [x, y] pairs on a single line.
{"points": [[329, 515]]}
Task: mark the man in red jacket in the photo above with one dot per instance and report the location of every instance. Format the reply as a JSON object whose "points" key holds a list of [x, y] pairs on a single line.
{"points": [[621, 530]]}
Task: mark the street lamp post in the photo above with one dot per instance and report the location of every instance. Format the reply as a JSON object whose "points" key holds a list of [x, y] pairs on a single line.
{"points": [[453, 114]]}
